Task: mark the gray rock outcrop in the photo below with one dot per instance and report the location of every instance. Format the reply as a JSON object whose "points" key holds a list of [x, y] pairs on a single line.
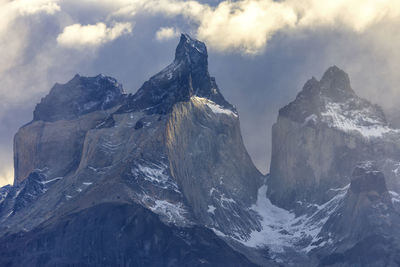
{"points": [[54, 139]]}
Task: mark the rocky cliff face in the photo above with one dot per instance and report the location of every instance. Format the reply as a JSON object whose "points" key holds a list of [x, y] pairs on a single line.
{"points": [[173, 149], [321, 136], [54, 139]]}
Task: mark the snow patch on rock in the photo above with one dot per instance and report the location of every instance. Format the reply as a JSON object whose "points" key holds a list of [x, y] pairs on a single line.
{"points": [[155, 173], [342, 117], [174, 212], [215, 108], [312, 118], [170, 212], [211, 209], [395, 197], [282, 229], [51, 180], [4, 192]]}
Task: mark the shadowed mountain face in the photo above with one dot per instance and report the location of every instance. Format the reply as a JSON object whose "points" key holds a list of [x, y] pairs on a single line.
{"points": [[162, 178], [114, 234]]}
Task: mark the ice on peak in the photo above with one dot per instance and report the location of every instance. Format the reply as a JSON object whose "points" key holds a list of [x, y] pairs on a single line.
{"points": [[333, 102], [362, 120]]}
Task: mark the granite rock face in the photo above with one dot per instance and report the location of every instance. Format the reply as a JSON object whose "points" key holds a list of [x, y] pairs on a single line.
{"points": [[54, 139], [321, 136], [172, 151]]}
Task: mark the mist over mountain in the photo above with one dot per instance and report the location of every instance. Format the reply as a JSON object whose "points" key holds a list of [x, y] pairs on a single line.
{"points": [[162, 177]]}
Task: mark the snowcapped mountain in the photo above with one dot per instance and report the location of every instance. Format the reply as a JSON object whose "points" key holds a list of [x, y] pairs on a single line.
{"points": [[162, 178], [321, 136]]}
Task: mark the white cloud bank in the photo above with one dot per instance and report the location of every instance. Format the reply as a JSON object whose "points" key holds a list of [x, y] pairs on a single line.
{"points": [[248, 25], [167, 33], [80, 36], [29, 7]]}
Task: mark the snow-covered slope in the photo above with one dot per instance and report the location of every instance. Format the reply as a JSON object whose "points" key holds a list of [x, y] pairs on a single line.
{"points": [[361, 120]]}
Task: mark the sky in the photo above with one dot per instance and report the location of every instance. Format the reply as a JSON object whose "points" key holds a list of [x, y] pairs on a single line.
{"points": [[260, 51]]}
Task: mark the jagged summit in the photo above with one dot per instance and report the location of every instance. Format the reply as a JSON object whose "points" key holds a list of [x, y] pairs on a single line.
{"points": [[191, 49], [335, 83], [79, 96], [332, 101], [185, 77]]}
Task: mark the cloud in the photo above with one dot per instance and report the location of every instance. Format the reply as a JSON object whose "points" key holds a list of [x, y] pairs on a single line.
{"points": [[12, 36], [189, 9], [78, 36], [6, 175], [245, 25], [356, 15], [166, 33], [248, 25], [29, 7]]}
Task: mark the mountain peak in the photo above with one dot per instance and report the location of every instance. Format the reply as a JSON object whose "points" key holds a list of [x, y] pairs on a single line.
{"points": [[191, 49], [185, 77], [335, 83], [192, 56], [79, 96]]}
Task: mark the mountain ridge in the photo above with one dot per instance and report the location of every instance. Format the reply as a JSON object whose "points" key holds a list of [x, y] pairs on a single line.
{"points": [[133, 172]]}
